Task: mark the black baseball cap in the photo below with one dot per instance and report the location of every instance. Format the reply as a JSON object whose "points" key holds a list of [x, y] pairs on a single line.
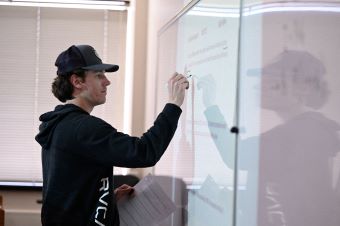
{"points": [[81, 57]]}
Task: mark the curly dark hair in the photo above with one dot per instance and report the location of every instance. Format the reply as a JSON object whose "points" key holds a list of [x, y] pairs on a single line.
{"points": [[62, 88]]}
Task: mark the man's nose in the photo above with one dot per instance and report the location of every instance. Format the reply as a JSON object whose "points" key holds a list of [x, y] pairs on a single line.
{"points": [[107, 81]]}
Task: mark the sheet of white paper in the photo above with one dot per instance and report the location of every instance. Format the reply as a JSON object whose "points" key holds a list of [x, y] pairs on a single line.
{"points": [[148, 207]]}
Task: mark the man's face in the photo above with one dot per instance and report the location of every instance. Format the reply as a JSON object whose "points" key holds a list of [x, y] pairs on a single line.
{"points": [[279, 93], [94, 87]]}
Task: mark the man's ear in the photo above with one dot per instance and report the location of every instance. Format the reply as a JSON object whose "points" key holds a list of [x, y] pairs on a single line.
{"points": [[76, 81]]}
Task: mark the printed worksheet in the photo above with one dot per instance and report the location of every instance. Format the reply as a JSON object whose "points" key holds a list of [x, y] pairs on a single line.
{"points": [[148, 206]]}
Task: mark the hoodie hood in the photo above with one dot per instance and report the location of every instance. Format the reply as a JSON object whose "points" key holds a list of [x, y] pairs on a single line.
{"points": [[50, 120]]}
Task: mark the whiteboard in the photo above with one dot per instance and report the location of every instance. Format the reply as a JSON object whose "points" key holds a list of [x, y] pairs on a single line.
{"points": [[202, 150], [278, 82]]}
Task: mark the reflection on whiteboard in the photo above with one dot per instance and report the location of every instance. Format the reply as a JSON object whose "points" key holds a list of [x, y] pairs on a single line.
{"points": [[299, 150], [208, 204], [207, 48], [294, 168], [287, 153], [202, 151]]}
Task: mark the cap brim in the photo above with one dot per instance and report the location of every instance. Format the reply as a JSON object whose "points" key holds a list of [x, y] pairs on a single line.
{"points": [[103, 67]]}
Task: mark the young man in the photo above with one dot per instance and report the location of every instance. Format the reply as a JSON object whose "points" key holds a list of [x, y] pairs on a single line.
{"points": [[79, 150]]}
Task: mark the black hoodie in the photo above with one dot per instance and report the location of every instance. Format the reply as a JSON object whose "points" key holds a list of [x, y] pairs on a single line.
{"points": [[78, 152]]}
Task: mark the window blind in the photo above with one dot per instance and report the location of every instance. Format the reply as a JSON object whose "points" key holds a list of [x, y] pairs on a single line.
{"points": [[31, 39]]}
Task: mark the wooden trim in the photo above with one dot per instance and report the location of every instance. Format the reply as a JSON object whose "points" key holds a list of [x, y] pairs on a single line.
{"points": [[2, 213]]}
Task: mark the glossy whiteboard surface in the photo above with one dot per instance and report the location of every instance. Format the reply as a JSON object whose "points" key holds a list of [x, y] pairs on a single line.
{"points": [[290, 112], [277, 81], [201, 154]]}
